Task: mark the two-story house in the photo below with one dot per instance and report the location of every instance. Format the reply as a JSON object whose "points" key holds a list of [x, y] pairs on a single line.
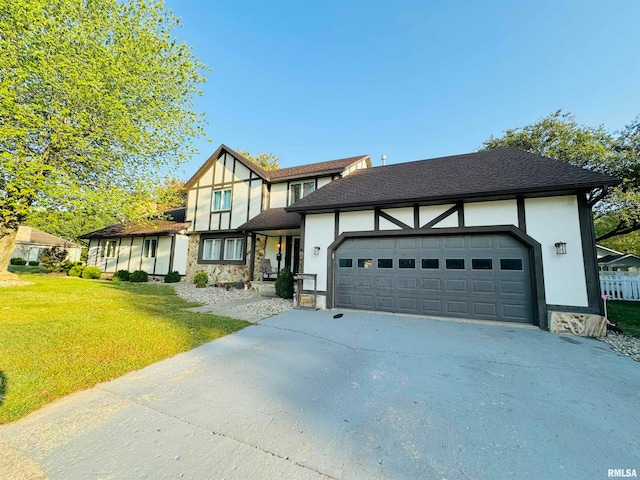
{"points": [[500, 235]]}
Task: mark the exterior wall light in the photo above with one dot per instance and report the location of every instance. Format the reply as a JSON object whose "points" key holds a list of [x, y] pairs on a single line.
{"points": [[316, 250], [561, 248]]}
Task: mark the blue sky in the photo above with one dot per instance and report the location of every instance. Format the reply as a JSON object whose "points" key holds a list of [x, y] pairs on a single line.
{"points": [[318, 80]]}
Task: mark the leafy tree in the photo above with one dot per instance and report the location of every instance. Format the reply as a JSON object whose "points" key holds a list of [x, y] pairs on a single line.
{"points": [[559, 136], [96, 98], [268, 161], [172, 194]]}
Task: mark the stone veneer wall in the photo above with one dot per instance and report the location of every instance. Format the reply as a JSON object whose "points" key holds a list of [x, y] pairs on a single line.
{"points": [[220, 273]]}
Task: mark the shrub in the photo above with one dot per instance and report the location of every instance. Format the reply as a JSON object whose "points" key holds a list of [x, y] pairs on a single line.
{"points": [[76, 271], [68, 265], [34, 263], [172, 277], [201, 279], [53, 259], [284, 284], [139, 276], [91, 273], [18, 261], [121, 276]]}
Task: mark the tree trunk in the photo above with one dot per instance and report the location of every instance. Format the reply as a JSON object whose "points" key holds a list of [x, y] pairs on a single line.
{"points": [[7, 244]]}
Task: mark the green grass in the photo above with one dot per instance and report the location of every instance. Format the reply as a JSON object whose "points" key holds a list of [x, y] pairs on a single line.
{"points": [[626, 315], [62, 334]]}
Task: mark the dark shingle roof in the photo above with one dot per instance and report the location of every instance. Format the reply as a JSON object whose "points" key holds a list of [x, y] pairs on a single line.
{"points": [[507, 171], [272, 219], [153, 227], [312, 169]]}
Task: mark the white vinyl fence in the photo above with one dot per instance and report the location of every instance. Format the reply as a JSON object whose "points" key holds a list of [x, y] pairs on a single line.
{"points": [[618, 287]]}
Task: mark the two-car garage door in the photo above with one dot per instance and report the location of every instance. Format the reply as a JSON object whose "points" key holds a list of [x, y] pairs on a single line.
{"points": [[485, 277]]}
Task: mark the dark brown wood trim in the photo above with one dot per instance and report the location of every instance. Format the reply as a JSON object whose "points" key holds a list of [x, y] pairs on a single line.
{"points": [[248, 204], [252, 258], [266, 194], [173, 251], [130, 252], [336, 225], [302, 241], [155, 259], [376, 219], [118, 254], [540, 314], [287, 202], [416, 216], [460, 207], [589, 255], [522, 217], [195, 212], [441, 217], [224, 167], [572, 309], [288, 246], [395, 221]]}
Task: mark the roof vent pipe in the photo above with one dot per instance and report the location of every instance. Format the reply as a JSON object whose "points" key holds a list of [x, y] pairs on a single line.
{"points": [[384, 160]]}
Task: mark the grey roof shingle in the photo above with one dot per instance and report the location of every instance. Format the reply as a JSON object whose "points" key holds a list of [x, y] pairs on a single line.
{"points": [[312, 169], [153, 227], [507, 171], [272, 219]]}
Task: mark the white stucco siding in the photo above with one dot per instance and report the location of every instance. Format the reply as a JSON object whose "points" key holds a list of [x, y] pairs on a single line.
{"points": [[255, 201], [278, 195], [322, 181], [239, 203], [203, 211], [218, 170], [228, 169], [163, 256], [124, 251], [191, 208], [92, 256], [430, 212], [242, 172], [356, 221], [180, 254], [555, 219], [136, 254], [318, 231], [405, 215], [356, 166], [502, 212], [207, 178]]}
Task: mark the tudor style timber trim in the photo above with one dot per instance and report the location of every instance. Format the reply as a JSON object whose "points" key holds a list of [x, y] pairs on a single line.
{"points": [[589, 255]]}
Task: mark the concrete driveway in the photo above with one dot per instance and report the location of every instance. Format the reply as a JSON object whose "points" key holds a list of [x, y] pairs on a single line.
{"points": [[305, 396]]}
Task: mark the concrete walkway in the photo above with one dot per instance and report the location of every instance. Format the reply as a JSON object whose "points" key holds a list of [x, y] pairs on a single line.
{"points": [[305, 396]]}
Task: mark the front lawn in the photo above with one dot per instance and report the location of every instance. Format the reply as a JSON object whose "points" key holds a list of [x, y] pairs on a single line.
{"points": [[626, 315], [64, 334]]}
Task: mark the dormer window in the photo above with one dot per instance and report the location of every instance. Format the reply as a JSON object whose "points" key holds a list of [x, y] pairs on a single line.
{"points": [[300, 190], [221, 200]]}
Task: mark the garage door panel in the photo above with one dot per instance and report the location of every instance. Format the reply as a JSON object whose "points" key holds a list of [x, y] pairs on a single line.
{"points": [[456, 307], [483, 286], [488, 276], [485, 309], [455, 286]]}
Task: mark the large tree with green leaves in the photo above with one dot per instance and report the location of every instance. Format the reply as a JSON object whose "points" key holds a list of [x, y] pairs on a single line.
{"points": [[96, 101], [559, 136], [268, 161]]}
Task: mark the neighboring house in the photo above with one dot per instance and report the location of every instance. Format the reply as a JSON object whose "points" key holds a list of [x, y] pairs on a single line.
{"points": [[495, 235], [30, 242], [610, 260], [157, 247]]}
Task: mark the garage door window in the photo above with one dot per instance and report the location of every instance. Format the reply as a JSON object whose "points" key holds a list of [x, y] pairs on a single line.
{"points": [[365, 263], [345, 263], [455, 263], [510, 264], [432, 263], [385, 263], [481, 264], [407, 263]]}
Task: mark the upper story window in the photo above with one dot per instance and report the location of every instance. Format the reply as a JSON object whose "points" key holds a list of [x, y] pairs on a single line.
{"points": [[300, 190], [108, 249], [221, 200], [150, 247]]}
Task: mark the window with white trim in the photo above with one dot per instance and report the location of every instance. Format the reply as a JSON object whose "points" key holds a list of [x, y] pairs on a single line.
{"points": [[233, 248], [301, 190], [211, 249], [150, 247], [108, 249], [221, 200]]}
